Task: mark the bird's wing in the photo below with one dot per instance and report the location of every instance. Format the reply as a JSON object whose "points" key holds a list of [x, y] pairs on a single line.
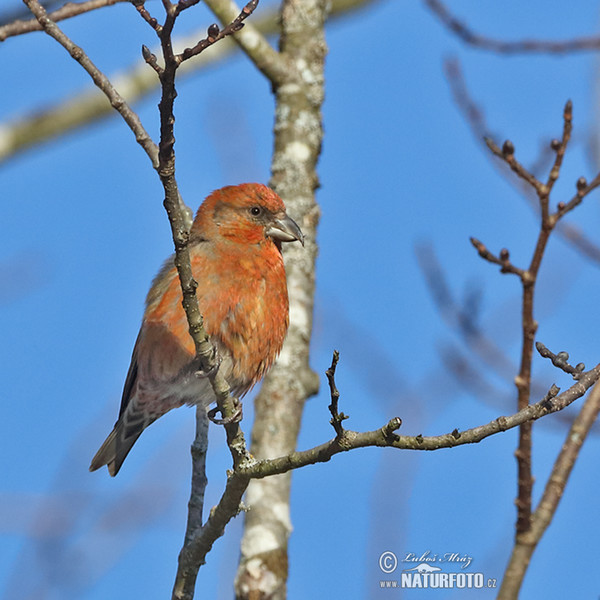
{"points": [[131, 378]]}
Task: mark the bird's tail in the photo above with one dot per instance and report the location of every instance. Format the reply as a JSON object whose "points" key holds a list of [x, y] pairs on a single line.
{"points": [[115, 449]]}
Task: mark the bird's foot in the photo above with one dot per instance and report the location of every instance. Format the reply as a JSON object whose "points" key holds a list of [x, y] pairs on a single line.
{"points": [[236, 417], [201, 374]]}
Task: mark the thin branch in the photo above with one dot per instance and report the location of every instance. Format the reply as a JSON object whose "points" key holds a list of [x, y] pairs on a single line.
{"points": [[385, 437], [560, 361], [474, 116], [252, 41], [68, 11], [548, 222], [526, 544], [565, 463], [503, 259], [136, 82], [19, 13], [336, 417], [467, 35], [199, 481], [115, 99], [193, 554], [205, 352], [507, 154], [143, 11], [583, 189], [151, 59], [188, 563], [184, 5], [164, 162], [462, 317], [215, 34], [178, 219], [560, 147]]}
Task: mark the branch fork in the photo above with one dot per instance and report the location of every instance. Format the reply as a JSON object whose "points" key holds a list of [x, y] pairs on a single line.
{"points": [[336, 417]]}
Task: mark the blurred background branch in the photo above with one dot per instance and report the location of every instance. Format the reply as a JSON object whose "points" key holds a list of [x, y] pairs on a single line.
{"points": [[20, 132], [527, 46]]}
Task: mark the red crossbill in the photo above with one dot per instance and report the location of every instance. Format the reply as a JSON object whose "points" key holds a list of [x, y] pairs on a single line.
{"points": [[235, 253]]}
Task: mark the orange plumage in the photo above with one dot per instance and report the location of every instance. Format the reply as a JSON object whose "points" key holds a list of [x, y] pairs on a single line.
{"points": [[235, 252]]}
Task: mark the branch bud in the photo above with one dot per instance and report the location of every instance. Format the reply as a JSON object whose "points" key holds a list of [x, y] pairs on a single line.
{"points": [[508, 148]]}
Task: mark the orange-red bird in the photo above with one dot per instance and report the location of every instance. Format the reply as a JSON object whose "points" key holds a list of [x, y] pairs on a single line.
{"points": [[235, 252]]}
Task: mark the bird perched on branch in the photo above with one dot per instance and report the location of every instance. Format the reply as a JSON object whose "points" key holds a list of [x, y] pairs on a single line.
{"points": [[235, 253]]}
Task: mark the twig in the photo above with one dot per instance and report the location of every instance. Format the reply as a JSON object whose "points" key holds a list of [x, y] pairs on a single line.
{"points": [[194, 551], [164, 162], [503, 259], [474, 116], [526, 543], [336, 417], [189, 562], [463, 318], [560, 147], [215, 34], [273, 65], [386, 437], [529, 279], [151, 59], [42, 124], [115, 99], [68, 11], [467, 35], [583, 189], [166, 170], [507, 154], [381, 437], [560, 360], [199, 449], [139, 6]]}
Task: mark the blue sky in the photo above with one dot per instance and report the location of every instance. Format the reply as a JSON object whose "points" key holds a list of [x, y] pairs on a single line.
{"points": [[83, 231]]}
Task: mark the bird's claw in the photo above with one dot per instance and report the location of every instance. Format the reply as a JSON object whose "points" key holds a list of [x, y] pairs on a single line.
{"points": [[236, 417], [200, 374]]}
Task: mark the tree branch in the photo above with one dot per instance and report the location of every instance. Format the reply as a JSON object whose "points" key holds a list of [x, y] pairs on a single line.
{"points": [[68, 11], [385, 437], [43, 124], [507, 154], [263, 568], [337, 418], [116, 100], [215, 34], [528, 46], [164, 162], [251, 40], [526, 543], [199, 481], [528, 277], [503, 259], [474, 116], [188, 563]]}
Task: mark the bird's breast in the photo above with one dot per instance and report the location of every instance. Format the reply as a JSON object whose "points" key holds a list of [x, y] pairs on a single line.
{"points": [[243, 299]]}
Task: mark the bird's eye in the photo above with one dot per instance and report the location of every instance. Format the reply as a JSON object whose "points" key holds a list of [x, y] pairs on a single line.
{"points": [[255, 211]]}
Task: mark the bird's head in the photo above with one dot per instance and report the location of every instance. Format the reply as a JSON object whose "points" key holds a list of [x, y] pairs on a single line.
{"points": [[247, 213]]}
